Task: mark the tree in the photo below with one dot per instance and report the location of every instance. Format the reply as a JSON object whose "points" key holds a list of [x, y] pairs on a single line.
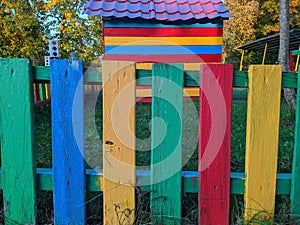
{"points": [[251, 20], [240, 29], [22, 34], [27, 26], [76, 32], [283, 55]]}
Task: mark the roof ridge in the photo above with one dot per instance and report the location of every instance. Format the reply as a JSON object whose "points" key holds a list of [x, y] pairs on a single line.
{"points": [[171, 10]]}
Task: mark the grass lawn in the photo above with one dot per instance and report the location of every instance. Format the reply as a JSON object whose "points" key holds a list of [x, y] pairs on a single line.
{"points": [[93, 134]]}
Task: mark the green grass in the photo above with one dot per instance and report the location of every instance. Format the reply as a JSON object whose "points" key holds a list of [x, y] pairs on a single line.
{"points": [[93, 132]]}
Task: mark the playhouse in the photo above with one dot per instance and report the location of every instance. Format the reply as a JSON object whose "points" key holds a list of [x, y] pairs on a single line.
{"points": [[170, 31]]}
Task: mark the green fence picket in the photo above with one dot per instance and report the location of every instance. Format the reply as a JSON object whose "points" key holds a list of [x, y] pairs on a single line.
{"points": [[295, 188], [17, 144], [166, 159]]}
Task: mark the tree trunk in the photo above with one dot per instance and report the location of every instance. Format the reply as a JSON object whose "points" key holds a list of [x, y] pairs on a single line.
{"points": [[283, 55]]}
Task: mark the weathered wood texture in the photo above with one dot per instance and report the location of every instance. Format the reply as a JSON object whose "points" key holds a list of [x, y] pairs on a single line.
{"points": [[166, 149], [119, 142], [68, 141], [295, 192], [214, 143], [262, 140], [17, 143]]}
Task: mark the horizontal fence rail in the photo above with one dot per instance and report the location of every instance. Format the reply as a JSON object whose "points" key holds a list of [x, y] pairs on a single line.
{"points": [[94, 75], [69, 180]]}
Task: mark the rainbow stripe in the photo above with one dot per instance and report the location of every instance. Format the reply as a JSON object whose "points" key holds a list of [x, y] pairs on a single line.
{"points": [[153, 41]]}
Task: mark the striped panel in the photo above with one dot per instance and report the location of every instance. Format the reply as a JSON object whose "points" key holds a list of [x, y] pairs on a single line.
{"points": [[188, 58], [213, 49], [154, 24], [161, 41], [163, 32], [151, 41]]}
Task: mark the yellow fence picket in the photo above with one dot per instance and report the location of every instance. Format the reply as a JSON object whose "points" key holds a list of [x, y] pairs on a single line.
{"points": [[262, 140], [118, 142]]}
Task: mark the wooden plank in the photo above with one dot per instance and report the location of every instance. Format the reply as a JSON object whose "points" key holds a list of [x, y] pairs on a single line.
{"points": [[48, 92], [295, 194], [157, 24], [295, 52], [17, 141], [163, 50], [67, 107], [42, 92], [37, 92], [192, 58], [162, 41], [163, 32], [190, 180], [41, 74], [214, 143], [188, 91], [118, 142], [289, 79], [262, 140], [187, 66], [166, 149]]}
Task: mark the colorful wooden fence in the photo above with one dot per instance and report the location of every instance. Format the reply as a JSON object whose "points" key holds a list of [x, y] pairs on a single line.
{"points": [[166, 182]]}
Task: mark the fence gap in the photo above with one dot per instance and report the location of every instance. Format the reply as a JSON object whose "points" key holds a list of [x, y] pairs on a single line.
{"points": [[67, 109], [214, 143], [119, 142], [295, 194], [166, 149], [17, 141], [262, 141]]}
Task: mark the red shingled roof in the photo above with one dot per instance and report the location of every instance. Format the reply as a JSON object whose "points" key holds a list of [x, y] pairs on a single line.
{"points": [[171, 10]]}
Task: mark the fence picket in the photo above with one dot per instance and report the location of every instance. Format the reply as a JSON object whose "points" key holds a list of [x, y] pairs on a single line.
{"points": [[166, 149], [118, 142], [214, 143], [295, 194], [17, 141], [68, 141], [262, 140]]}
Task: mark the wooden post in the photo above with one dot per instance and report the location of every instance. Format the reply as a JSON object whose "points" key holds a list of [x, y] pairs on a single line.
{"points": [[43, 92], [68, 141], [37, 92], [242, 59], [118, 142], [214, 143], [166, 150], [265, 54], [295, 190], [48, 93], [17, 141], [262, 141]]}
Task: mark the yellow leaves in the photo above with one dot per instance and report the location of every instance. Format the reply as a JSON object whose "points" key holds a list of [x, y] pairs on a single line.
{"points": [[294, 3], [240, 28], [50, 4], [68, 15]]}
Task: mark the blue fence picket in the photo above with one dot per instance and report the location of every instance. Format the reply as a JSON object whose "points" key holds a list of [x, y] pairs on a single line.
{"points": [[67, 105]]}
